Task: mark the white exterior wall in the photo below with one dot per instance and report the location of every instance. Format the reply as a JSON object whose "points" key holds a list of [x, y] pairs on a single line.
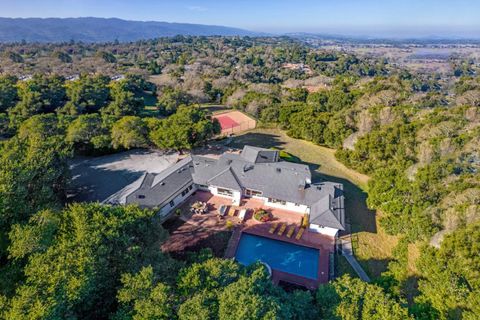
{"points": [[332, 232], [288, 206], [166, 209], [237, 195]]}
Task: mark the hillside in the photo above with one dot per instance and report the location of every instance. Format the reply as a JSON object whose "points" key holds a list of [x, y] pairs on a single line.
{"points": [[102, 30]]}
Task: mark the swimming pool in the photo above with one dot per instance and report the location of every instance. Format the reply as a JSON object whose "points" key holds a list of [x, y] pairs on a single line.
{"points": [[283, 256]]}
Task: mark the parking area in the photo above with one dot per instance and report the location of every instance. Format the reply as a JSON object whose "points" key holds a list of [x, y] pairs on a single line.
{"points": [[97, 178]]}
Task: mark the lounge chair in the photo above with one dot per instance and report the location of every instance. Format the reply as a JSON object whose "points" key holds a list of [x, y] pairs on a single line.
{"points": [[282, 229], [290, 231], [273, 228], [305, 220], [242, 214], [222, 210], [300, 233]]}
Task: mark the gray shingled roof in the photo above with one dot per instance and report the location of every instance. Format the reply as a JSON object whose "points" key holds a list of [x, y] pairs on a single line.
{"points": [[280, 180], [324, 214], [157, 189], [226, 179], [259, 155], [256, 169]]}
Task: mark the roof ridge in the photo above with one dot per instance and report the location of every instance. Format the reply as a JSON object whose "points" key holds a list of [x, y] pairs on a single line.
{"points": [[235, 176], [170, 170], [218, 174], [228, 169]]}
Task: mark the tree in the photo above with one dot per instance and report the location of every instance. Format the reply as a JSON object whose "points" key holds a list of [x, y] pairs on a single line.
{"points": [[33, 173], [88, 133], [106, 56], [40, 127], [86, 95], [248, 298], [354, 299], [62, 57], [170, 100], [210, 275], [125, 101], [129, 132], [8, 92], [142, 297], [450, 281], [76, 269], [39, 95], [203, 305], [187, 128]]}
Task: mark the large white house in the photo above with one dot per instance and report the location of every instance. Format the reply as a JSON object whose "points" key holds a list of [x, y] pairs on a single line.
{"points": [[256, 173]]}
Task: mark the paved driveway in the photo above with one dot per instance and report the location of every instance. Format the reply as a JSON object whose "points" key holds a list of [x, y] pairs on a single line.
{"points": [[97, 178]]}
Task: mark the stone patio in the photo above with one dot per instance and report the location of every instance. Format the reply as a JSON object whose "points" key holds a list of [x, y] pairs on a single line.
{"points": [[213, 223]]}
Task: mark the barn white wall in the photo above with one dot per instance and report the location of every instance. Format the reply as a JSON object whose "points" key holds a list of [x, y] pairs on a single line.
{"points": [[178, 200], [236, 194], [288, 206], [332, 232]]}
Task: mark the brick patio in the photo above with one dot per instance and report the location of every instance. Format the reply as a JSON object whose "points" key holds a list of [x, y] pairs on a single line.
{"points": [[323, 243]]}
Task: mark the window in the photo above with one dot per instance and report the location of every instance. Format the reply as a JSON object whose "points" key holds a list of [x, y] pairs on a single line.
{"points": [[272, 200], [190, 187], [172, 203], [225, 192], [297, 204], [141, 196], [253, 193]]}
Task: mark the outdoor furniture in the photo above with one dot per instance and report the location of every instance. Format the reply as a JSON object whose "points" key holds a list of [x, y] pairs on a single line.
{"points": [[300, 233], [273, 228], [290, 231], [199, 207], [305, 220], [242, 214], [282, 229], [222, 210]]}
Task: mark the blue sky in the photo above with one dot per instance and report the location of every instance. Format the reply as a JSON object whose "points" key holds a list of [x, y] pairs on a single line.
{"points": [[356, 17]]}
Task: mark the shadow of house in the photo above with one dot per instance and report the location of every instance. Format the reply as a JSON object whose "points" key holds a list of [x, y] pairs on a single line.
{"points": [[97, 178], [358, 215], [263, 140]]}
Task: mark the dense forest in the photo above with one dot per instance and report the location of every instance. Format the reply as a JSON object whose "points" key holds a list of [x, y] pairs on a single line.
{"points": [[416, 135]]}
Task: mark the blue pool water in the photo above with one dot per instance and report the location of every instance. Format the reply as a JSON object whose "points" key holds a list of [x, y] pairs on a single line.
{"points": [[283, 256]]}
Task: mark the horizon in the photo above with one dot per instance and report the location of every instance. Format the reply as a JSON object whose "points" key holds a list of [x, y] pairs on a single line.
{"points": [[348, 18]]}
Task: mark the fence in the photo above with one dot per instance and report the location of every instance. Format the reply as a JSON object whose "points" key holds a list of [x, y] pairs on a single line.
{"points": [[242, 126]]}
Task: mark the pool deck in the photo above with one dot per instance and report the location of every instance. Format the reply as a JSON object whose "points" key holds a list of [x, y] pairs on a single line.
{"points": [[323, 243]]}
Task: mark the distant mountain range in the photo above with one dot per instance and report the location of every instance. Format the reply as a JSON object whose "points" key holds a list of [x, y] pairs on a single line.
{"points": [[103, 30]]}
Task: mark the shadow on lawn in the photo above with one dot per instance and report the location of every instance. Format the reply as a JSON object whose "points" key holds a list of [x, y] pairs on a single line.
{"points": [[358, 215]]}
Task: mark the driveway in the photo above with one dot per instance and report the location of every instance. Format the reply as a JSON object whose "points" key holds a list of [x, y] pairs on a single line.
{"points": [[97, 178]]}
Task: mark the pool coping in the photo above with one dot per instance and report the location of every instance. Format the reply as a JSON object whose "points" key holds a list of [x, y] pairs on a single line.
{"points": [[292, 243], [278, 275]]}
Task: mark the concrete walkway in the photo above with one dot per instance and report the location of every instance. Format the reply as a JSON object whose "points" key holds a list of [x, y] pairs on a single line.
{"points": [[347, 252]]}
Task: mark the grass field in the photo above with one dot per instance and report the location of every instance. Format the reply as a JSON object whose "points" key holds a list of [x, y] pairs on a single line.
{"points": [[150, 101], [373, 247]]}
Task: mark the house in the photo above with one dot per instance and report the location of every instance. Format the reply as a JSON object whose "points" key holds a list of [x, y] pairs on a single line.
{"points": [[254, 173]]}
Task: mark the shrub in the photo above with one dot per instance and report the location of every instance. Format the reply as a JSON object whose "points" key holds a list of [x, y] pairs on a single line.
{"points": [[262, 215]]}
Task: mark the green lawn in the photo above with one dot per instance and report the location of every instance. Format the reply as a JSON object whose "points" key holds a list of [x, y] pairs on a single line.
{"points": [[150, 101]]}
